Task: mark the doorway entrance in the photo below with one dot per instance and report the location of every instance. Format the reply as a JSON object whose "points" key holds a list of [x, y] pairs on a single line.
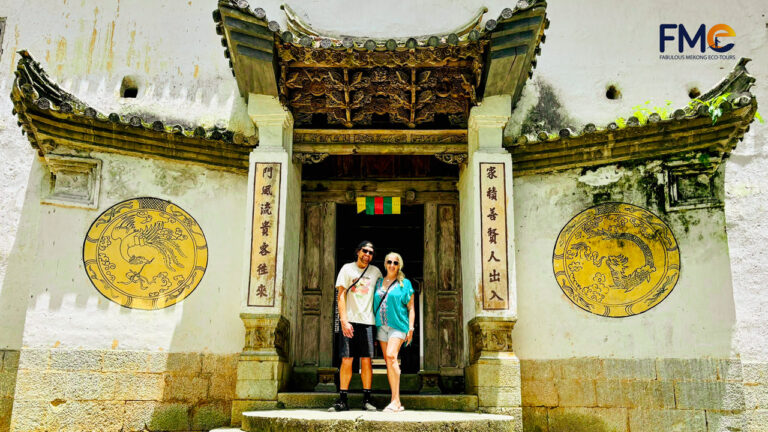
{"points": [[426, 234], [402, 233]]}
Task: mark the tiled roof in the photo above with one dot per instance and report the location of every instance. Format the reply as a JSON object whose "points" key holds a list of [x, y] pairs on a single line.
{"points": [[691, 128], [480, 60], [50, 116]]}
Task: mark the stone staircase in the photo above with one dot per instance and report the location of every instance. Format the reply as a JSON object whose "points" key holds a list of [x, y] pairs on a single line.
{"points": [[460, 403], [307, 412]]}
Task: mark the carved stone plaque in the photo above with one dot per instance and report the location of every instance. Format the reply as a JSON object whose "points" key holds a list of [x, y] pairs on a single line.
{"points": [[145, 253], [616, 260], [266, 200], [493, 225]]}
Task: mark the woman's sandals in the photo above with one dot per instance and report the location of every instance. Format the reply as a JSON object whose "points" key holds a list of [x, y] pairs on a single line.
{"points": [[390, 408]]}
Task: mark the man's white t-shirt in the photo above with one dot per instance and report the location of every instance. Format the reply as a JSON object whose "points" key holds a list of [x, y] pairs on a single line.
{"points": [[359, 297]]}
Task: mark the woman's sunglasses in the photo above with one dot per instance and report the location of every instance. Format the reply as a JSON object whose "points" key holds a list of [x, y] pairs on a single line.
{"points": [[367, 251], [397, 263]]}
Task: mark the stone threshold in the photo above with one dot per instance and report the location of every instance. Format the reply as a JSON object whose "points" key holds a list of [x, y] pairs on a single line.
{"points": [[406, 421], [441, 402]]}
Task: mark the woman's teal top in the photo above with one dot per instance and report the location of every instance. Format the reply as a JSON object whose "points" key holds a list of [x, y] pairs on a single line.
{"points": [[394, 311]]}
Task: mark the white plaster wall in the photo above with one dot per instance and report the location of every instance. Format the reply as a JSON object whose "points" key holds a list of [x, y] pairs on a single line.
{"points": [[591, 45], [695, 320], [66, 311], [88, 46]]}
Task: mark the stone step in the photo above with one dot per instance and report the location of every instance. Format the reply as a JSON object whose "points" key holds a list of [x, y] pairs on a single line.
{"points": [[465, 403], [349, 421]]}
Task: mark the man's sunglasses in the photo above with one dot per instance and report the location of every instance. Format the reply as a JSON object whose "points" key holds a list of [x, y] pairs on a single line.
{"points": [[367, 251], [397, 263]]}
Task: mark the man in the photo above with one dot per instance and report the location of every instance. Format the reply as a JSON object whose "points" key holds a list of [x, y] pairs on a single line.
{"points": [[355, 287]]}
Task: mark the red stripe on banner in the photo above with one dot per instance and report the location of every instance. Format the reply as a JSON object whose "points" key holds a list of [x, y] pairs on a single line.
{"points": [[378, 205]]}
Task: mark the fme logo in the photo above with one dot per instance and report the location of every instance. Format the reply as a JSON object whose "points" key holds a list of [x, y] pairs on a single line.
{"points": [[713, 37]]}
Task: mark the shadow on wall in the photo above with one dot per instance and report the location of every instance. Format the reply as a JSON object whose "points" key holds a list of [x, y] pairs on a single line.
{"points": [[14, 297], [73, 388]]}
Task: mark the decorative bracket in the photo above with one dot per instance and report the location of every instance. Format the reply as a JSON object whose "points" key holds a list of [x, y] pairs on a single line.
{"points": [[452, 158], [309, 158], [266, 334], [490, 337]]}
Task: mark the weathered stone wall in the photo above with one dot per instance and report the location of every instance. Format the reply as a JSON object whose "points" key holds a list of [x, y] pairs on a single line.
{"points": [[9, 363], [756, 395], [637, 395], [119, 390]]}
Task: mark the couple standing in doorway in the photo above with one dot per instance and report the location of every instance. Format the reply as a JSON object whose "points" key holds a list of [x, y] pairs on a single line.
{"points": [[371, 308]]}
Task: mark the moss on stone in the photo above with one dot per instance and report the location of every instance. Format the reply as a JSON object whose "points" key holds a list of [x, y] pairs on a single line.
{"points": [[210, 417], [534, 419], [170, 418], [575, 422]]}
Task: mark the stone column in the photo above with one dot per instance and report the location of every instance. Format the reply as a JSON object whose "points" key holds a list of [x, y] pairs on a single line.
{"points": [[488, 261], [272, 247]]}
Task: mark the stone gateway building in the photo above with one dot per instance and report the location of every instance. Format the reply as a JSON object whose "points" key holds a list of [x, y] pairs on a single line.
{"points": [[181, 192]]}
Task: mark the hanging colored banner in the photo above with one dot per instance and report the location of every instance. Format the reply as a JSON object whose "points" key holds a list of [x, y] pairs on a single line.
{"points": [[378, 205]]}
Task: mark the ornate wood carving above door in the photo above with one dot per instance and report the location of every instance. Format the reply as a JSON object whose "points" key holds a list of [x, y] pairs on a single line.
{"points": [[429, 81], [429, 86]]}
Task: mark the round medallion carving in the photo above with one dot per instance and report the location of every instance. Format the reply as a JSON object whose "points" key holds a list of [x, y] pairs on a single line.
{"points": [[145, 253], [616, 260]]}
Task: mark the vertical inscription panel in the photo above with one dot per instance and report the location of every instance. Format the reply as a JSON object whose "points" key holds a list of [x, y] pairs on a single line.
{"points": [[266, 201], [493, 229]]}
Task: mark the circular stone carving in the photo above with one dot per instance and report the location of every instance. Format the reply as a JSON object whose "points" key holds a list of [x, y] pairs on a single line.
{"points": [[145, 253], [616, 260]]}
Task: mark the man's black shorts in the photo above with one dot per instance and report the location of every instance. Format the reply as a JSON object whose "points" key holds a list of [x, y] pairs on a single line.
{"points": [[361, 343]]}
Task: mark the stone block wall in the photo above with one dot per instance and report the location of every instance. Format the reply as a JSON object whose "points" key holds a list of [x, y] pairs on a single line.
{"points": [[9, 363], [643, 395], [756, 395], [118, 390]]}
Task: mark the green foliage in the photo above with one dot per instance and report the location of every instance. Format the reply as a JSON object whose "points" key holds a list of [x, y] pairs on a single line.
{"points": [[644, 110], [759, 117], [713, 105]]}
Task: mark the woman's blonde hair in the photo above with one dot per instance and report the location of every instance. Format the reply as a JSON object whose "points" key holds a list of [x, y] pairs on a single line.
{"points": [[400, 274]]}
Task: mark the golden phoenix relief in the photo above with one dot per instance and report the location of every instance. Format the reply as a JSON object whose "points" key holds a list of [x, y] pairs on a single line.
{"points": [[145, 253], [616, 260]]}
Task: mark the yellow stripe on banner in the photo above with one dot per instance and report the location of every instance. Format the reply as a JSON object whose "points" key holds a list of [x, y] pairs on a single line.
{"points": [[361, 204], [395, 205]]}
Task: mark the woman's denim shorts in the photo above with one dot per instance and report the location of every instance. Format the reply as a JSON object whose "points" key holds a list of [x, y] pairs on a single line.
{"points": [[384, 333]]}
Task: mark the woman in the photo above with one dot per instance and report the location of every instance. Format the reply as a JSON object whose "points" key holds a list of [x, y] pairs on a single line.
{"points": [[393, 307]]}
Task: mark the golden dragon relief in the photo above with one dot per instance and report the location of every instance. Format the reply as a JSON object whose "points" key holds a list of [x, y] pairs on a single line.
{"points": [[616, 260], [145, 253]]}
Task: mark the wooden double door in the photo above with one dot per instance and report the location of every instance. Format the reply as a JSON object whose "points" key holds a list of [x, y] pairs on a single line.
{"points": [[426, 234]]}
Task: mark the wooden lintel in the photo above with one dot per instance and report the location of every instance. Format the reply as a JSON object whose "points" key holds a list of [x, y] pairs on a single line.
{"points": [[380, 186], [379, 149]]}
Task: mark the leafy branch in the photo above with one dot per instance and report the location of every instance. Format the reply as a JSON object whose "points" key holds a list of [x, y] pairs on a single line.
{"points": [[713, 105]]}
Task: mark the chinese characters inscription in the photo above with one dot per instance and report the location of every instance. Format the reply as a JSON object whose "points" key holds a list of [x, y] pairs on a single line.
{"points": [[493, 213], [266, 199]]}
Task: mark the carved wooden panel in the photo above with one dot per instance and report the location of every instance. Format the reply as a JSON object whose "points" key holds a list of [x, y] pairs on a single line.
{"points": [[442, 296], [317, 267], [397, 88], [449, 346]]}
